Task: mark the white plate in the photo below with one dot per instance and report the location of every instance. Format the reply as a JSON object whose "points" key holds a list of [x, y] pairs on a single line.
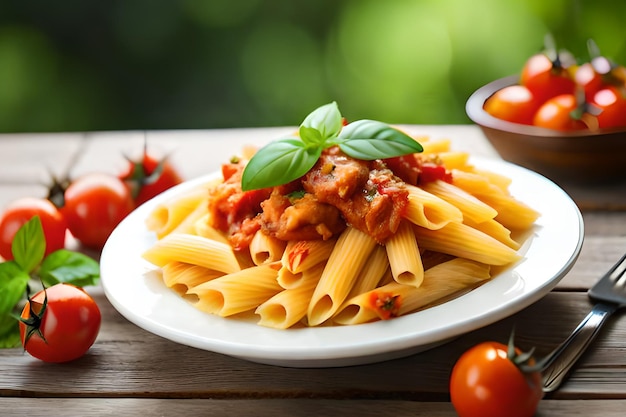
{"points": [[136, 291]]}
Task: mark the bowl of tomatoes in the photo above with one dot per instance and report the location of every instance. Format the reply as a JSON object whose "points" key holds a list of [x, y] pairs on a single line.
{"points": [[565, 121]]}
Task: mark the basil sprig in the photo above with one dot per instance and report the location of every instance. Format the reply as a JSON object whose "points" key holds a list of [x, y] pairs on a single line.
{"points": [[29, 265], [288, 159]]}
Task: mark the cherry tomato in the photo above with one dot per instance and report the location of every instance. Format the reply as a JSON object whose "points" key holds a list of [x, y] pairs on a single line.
{"points": [[486, 383], [94, 206], [559, 113], [149, 177], [65, 328], [22, 210], [514, 103], [589, 79], [612, 103], [546, 78]]}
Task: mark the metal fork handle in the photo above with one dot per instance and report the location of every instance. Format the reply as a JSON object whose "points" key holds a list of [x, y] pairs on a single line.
{"points": [[559, 362]]}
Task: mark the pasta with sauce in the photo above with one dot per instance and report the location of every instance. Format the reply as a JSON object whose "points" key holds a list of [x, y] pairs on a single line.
{"points": [[350, 242]]}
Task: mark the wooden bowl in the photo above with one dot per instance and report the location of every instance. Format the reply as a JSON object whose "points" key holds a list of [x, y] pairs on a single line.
{"points": [[585, 157]]}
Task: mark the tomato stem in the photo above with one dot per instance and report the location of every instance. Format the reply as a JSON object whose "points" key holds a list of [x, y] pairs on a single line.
{"points": [[34, 320], [523, 359]]}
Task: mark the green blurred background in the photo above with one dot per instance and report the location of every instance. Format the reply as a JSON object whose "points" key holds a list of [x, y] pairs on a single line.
{"points": [[77, 65]]}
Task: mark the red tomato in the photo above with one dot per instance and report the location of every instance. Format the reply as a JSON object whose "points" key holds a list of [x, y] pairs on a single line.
{"points": [[514, 103], [149, 177], [486, 383], [65, 329], [559, 113], [22, 210], [94, 206], [589, 79], [546, 78], [613, 105]]}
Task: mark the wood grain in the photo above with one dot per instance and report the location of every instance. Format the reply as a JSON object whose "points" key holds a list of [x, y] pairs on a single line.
{"points": [[132, 372]]}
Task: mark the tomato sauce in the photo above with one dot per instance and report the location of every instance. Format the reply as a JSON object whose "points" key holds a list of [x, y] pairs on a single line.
{"points": [[385, 304], [338, 191]]}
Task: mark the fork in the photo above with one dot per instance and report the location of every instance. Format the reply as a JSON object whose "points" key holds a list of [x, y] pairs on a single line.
{"points": [[609, 295]]}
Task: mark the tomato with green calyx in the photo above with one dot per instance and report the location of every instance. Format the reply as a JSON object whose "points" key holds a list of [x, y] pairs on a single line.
{"points": [[22, 210], [149, 176], [547, 74], [94, 205], [60, 323], [610, 72], [489, 380], [546, 78], [514, 103]]}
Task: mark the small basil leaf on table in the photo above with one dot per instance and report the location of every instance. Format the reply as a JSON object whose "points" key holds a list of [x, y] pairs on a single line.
{"points": [[69, 267], [29, 244]]}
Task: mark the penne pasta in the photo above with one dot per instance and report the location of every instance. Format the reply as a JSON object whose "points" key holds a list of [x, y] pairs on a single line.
{"points": [[444, 280], [187, 275], [188, 224], [289, 306], [512, 213], [192, 249], [429, 211], [454, 160], [494, 178], [201, 227], [471, 207], [441, 281], [168, 215], [435, 146], [372, 273], [304, 254], [461, 240], [496, 230], [404, 256], [389, 247], [344, 264], [238, 292], [265, 248]]}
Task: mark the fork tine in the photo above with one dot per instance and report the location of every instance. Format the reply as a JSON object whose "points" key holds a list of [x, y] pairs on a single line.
{"points": [[617, 272], [612, 286]]}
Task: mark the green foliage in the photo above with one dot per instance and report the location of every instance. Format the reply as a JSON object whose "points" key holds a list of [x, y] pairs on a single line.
{"points": [[192, 64]]}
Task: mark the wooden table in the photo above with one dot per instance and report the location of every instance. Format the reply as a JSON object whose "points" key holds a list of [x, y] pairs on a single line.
{"points": [[132, 372]]}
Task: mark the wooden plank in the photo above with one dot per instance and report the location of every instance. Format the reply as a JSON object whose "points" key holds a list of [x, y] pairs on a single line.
{"points": [[32, 158], [598, 255], [125, 359], [138, 407]]}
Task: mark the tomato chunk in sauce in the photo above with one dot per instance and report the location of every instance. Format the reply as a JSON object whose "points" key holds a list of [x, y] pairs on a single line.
{"points": [[338, 191], [370, 197]]}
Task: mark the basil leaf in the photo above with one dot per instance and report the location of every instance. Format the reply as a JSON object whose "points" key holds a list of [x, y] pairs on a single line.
{"points": [[278, 163], [9, 332], [13, 282], [371, 139], [70, 267], [325, 119], [310, 136], [29, 244]]}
